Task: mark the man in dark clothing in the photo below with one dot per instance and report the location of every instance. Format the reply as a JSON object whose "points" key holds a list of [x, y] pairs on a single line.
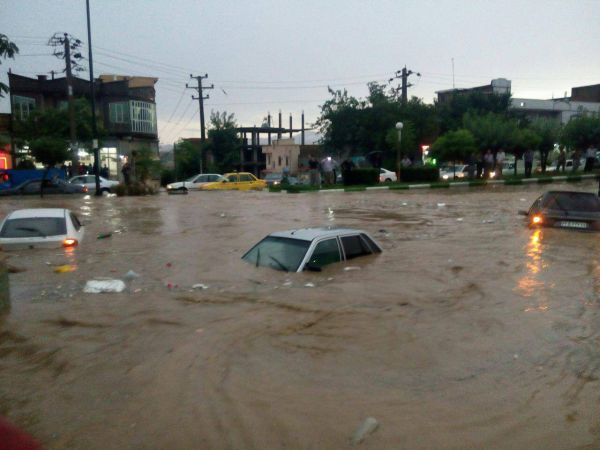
{"points": [[347, 166], [528, 158], [313, 170]]}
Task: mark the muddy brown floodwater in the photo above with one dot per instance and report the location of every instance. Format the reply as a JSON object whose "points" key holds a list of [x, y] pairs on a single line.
{"points": [[469, 331]]}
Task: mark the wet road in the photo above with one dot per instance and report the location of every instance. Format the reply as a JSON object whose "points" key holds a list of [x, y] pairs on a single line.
{"points": [[469, 331]]}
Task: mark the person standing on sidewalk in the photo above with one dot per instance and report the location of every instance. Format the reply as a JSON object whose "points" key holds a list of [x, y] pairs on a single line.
{"points": [[313, 171], [328, 164], [561, 161], [528, 158], [500, 157], [488, 161], [590, 158]]}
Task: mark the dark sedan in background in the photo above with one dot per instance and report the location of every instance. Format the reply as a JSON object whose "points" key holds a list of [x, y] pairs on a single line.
{"points": [[565, 209], [56, 186]]}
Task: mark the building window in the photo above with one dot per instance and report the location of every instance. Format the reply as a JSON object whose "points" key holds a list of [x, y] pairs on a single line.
{"points": [[143, 117], [287, 161], [117, 112], [22, 106], [279, 159]]}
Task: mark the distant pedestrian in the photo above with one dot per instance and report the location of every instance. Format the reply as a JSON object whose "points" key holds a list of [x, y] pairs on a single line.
{"points": [[576, 156], [528, 158], [328, 165], [500, 157], [471, 165], [126, 171], [488, 161], [313, 171], [590, 158], [104, 172], [561, 161], [347, 166]]}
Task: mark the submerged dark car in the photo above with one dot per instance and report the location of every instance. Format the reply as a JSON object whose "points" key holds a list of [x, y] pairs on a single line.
{"points": [[565, 209], [57, 186]]}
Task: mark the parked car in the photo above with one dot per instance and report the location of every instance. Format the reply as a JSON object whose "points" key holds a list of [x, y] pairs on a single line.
{"points": [[387, 176], [40, 228], [452, 172], [195, 182], [310, 248], [275, 179], [55, 186], [565, 209], [89, 181], [242, 181]]}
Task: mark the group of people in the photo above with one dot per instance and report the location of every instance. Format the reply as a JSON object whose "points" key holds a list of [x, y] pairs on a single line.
{"points": [[325, 171]]}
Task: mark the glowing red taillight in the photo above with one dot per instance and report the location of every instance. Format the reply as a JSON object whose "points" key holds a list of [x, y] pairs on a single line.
{"points": [[69, 242], [85, 189], [536, 220]]}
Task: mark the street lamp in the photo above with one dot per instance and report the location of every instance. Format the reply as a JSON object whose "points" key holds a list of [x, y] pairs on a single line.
{"points": [[399, 127]]}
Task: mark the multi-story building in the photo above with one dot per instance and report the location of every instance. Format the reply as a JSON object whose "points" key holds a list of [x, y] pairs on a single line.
{"points": [[125, 108], [583, 100]]}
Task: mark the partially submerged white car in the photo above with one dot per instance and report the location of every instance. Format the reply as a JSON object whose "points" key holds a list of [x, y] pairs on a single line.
{"points": [[310, 248], [40, 228], [195, 183]]}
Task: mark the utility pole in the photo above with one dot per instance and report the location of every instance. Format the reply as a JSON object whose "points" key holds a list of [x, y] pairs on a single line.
{"points": [[201, 97], [403, 76], [93, 103], [72, 137]]}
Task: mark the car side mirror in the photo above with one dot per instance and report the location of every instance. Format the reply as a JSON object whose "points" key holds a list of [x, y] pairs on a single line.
{"points": [[312, 267], [522, 212]]}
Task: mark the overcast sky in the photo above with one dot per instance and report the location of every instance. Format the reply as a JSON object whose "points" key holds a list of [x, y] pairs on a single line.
{"points": [[271, 55]]}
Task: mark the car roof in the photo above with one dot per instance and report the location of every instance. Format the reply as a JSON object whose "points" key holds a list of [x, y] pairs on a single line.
{"points": [[310, 234], [238, 173], [571, 193], [37, 212]]}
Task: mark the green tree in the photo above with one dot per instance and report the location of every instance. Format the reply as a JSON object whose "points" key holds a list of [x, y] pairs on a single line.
{"points": [[7, 50], [450, 113], [548, 131], [581, 132], [187, 159], [50, 151], [223, 141], [491, 131], [454, 146], [146, 163]]}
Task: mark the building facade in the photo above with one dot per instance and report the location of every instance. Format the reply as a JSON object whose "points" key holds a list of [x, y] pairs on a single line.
{"points": [[125, 109]]}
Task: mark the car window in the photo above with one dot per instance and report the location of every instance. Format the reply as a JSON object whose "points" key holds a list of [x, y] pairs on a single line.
{"points": [[278, 253], [354, 246], [34, 227], [572, 201], [213, 178], [232, 178], [326, 252], [75, 221], [202, 179], [246, 177], [374, 247]]}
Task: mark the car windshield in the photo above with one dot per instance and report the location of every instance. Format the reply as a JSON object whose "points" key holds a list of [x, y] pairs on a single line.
{"points": [[278, 252], [572, 201], [34, 227]]}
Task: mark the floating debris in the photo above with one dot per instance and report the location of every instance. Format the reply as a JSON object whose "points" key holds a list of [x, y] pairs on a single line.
{"points": [[103, 286], [200, 286], [366, 428], [311, 285], [66, 268]]}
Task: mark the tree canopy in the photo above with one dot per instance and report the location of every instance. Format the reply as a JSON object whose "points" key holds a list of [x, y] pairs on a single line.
{"points": [[454, 146], [582, 132], [8, 49]]}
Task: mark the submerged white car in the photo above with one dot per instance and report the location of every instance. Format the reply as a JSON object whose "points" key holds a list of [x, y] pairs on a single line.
{"points": [[89, 181], [40, 228], [195, 182], [310, 248]]}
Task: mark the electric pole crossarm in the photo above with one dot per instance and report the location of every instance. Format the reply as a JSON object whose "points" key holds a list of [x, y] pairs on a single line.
{"points": [[201, 97]]}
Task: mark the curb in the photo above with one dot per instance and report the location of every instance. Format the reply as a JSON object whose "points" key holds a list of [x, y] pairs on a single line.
{"points": [[454, 184]]}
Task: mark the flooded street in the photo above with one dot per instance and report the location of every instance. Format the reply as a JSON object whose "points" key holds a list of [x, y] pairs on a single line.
{"points": [[469, 330]]}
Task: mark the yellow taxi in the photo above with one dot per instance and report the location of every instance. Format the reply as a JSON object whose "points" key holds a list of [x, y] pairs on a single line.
{"points": [[242, 181]]}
